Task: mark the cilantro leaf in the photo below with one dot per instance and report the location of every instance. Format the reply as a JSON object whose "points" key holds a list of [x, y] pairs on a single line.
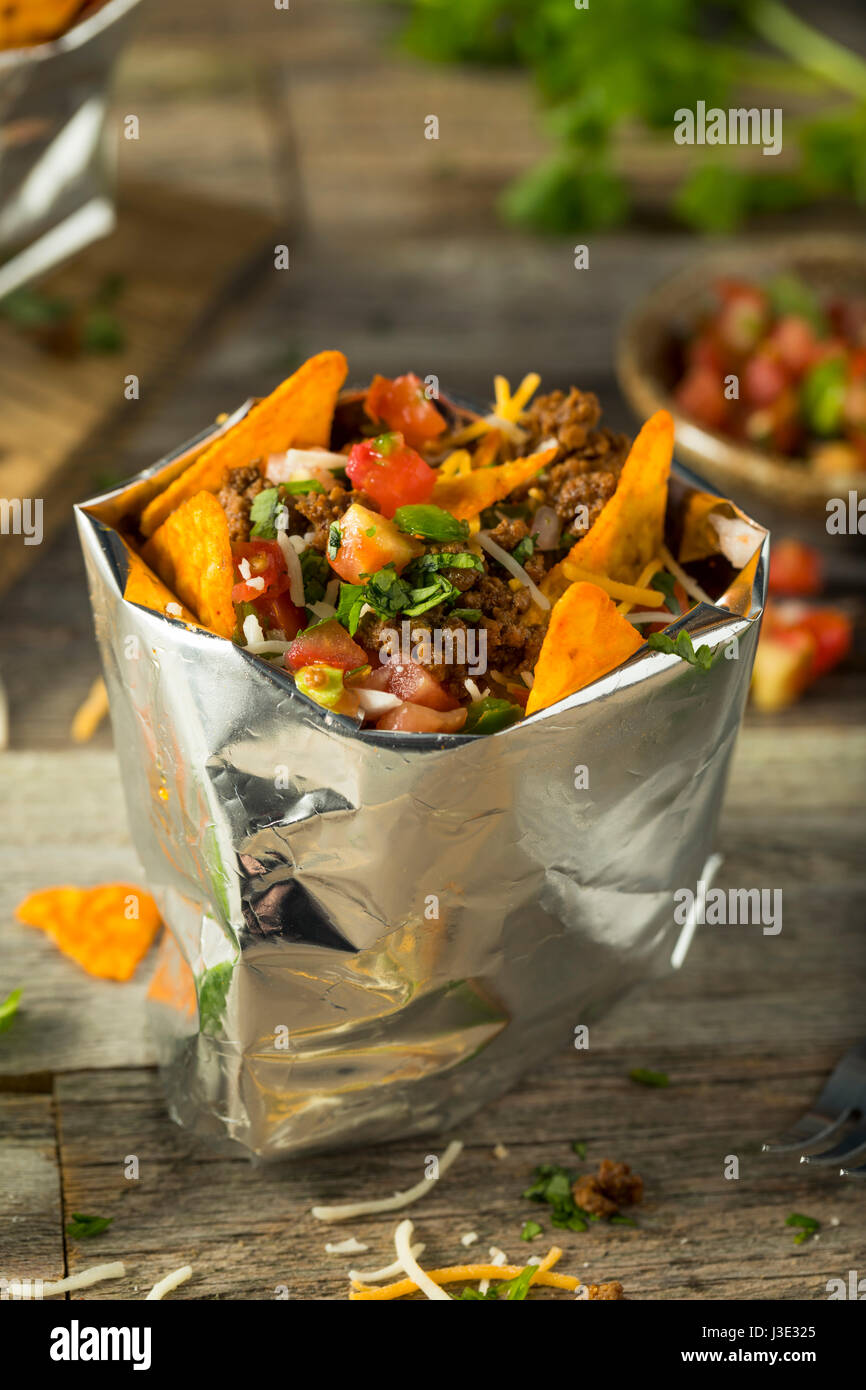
{"points": [[666, 583], [531, 1229], [82, 1227], [644, 1077], [8, 1009], [298, 485], [334, 540], [467, 615], [349, 606], [430, 522], [579, 1147], [524, 550], [316, 574], [681, 646], [263, 512]]}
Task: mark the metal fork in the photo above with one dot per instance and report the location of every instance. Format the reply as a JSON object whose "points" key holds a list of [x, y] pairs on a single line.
{"points": [[842, 1099]]}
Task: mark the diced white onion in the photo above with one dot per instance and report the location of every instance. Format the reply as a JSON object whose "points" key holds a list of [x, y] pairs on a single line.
{"points": [[174, 610], [253, 630], [318, 464], [472, 688], [258, 583], [509, 563], [244, 569], [293, 565], [547, 527], [738, 541], [377, 701], [323, 610]]}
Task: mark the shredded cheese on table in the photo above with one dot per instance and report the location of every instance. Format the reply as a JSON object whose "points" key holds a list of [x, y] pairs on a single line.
{"points": [[94, 1275], [391, 1271], [399, 1199], [467, 1274], [422, 1281], [169, 1283], [352, 1246], [630, 592]]}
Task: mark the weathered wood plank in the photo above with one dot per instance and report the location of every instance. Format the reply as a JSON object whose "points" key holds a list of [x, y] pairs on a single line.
{"points": [[31, 1230]]}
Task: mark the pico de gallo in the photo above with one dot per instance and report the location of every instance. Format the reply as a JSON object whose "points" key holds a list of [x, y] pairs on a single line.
{"points": [[778, 367], [422, 521]]}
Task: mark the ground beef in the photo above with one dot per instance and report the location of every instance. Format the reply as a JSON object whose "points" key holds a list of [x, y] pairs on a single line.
{"points": [[319, 510], [605, 1291], [510, 532], [572, 490], [568, 419], [236, 497], [612, 1187], [461, 577], [512, 645]]}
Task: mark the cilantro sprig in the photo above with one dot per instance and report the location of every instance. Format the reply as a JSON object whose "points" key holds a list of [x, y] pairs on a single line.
{"points": [[682, 647], [83, 1227], [809, 1226], [8, 1009], [553, 1186], [431, 523]]}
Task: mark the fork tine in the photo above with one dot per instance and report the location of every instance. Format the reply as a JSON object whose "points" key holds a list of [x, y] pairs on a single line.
{"points": [[809, 1130], [853, 1143]]}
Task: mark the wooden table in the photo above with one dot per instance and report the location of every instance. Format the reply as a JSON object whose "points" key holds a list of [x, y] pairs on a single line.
{"points": [[294, 122]]}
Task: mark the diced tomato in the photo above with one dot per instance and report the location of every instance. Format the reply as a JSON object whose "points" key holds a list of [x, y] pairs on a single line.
{"points": [[327, 644], [794, 341], [413, 683], [403, 405], [418, 719], [832, 632], [704, 350], [764, 378], [281, 613], [265, 560], [743, 316], [795, 569], [701, 394], [390, 472], [368, 542], [778, 425]]}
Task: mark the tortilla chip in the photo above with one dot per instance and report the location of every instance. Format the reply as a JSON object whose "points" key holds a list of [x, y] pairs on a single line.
{"points": [[192, 553], [585, 639], [143, 587], [107, 929], [630, 530], [466, 495], [27, 22], [298, 414]]}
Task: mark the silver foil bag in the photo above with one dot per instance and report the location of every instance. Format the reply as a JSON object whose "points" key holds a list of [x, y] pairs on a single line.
{"points": [[55, 171], [372, 934]]}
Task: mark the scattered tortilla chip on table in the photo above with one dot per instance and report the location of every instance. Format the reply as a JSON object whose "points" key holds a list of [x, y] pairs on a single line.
{"points": [[586, 637], [192, 553], [298, 414], [108, 930], [465, 495], [630, 529]]}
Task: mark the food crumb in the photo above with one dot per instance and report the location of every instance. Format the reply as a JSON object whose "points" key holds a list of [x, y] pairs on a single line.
{"points": [[500, 1151], [469, 1238], [612, 1187]]}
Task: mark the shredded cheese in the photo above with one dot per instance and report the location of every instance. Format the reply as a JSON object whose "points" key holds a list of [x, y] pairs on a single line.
{"points": [[391, 1271], [268, 644], [464, 1274], [469, 1238], [170, 1282], [90, 713], [94, 1275], [399, 1199], [659, 616], [472, 688], [630, 592], [422, 1281], [346, 1247], [293, 566], [691, 586], [644, 578], [509, 563]]}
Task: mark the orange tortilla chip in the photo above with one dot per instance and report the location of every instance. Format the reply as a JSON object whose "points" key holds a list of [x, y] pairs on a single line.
{"points": [[107, 929], [26, 22], [467, 494], [630, 530], [585, 639], [298, 413], [192, 553], [143, 587]]}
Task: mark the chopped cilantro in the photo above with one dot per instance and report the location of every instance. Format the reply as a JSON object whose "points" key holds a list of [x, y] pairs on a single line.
{"points": [[644, 1077], [82, 1227], [301, 485], [315, 571], [263, 513], [579, 1147], [618, 1220], [334, 540], [467, 615], [213, 988], [681, 646], [809, 1225], [524, 550], [531, 1229], [102, 331], [553, 1185], [349, 606], [666, 583], [419, 570], [8, 1009], [431, 523], [370, 532], [489, 715]]}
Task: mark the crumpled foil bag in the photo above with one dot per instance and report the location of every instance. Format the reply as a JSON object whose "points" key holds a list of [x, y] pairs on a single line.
{"points": [[55, 171], [373, 934]]}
